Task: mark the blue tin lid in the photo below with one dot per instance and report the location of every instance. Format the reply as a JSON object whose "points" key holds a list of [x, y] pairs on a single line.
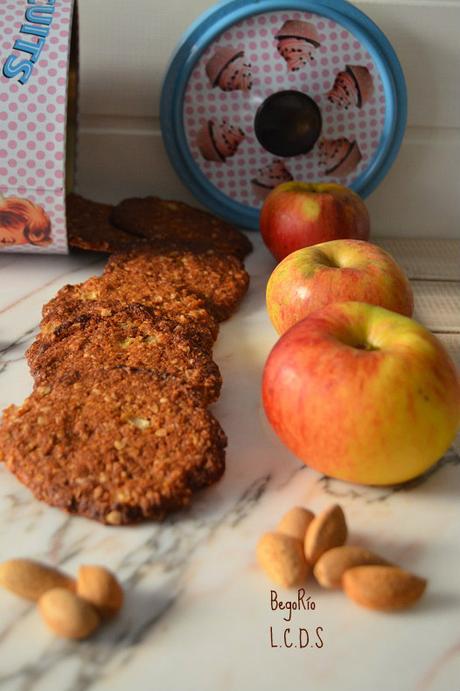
{"points": [[267, 91]]}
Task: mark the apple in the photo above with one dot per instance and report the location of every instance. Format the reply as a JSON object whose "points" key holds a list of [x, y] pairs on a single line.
{"points": [[299, 214], [362, 394], [335, 271]]}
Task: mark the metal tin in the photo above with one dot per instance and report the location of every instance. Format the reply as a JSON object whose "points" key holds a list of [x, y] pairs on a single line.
{"points": [[265, 91]]}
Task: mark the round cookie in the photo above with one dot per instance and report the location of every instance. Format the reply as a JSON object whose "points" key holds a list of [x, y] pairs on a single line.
{"points": [[119, 446], [221, 280], [129, 338], [89, 227], [63, 312], [109, 293], [164, 222]]}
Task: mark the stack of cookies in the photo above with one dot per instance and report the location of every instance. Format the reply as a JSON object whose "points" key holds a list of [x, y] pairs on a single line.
{"points": [[118, 428]]}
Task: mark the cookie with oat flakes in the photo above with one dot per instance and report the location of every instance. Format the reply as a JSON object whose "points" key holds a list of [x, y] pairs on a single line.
{"points": [[220, 279], [89, 227], [119, 446], [109, 293], [163, 221], [132, 337]]}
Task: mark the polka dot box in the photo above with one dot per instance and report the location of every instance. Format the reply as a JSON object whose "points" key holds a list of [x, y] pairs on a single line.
{"points": [[34, 80]]}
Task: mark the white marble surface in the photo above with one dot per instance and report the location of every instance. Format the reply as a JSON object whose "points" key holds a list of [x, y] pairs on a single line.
{"points": [[197, 615]]}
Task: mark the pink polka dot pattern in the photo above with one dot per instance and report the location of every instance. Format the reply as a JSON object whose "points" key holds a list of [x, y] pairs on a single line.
{"points": [[256, 37], [32, 122]]}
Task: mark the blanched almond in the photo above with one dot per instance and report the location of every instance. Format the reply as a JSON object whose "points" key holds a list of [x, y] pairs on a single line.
{"points": [[30, 579], [67, 614], [99, 586], [282, 559], [331, 566], [327, 530], [383, 588], [295, 522]]}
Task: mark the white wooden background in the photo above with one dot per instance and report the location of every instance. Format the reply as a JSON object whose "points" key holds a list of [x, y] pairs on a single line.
{"points": [[125, 47]]}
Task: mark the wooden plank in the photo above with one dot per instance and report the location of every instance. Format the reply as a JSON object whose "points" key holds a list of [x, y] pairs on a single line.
{"points": [[452, 343], [437, 305], [425, 258], [118, 163], [425, 37], [419, 197], [122, 66]]}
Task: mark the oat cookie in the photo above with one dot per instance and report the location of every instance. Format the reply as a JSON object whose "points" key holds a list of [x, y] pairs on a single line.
{"points": [[221, 280], [89, 227], [131, 337], [109, 291], [163, 221], [119, 447]]}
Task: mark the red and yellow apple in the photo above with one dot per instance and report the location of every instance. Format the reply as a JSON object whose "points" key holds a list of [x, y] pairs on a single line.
{"points": [[300, 214], [362, 394], [335, 271]]}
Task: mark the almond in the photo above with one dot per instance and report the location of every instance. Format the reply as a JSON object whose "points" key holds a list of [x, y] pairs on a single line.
{"points": [[67, 614], [295, 522], [331, 566], [99, 586], [383, 588], [327, 530], [30, 579], [282, 559]]}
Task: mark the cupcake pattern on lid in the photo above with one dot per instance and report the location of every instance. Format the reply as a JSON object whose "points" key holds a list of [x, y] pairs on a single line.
{"points": [[270, 53]]}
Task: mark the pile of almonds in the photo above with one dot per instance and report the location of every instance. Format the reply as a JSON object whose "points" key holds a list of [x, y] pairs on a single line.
{"points": [[71, 608], [303, 542]]}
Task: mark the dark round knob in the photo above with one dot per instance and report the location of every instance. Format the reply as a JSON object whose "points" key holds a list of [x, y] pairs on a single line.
{"points": [[288, 123]]}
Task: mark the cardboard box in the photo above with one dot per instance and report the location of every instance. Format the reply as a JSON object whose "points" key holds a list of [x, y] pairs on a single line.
{"points": [[38, 114]]}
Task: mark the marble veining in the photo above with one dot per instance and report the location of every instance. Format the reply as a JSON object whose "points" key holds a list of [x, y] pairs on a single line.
{"points": [[197, 613], [369, 495]]}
